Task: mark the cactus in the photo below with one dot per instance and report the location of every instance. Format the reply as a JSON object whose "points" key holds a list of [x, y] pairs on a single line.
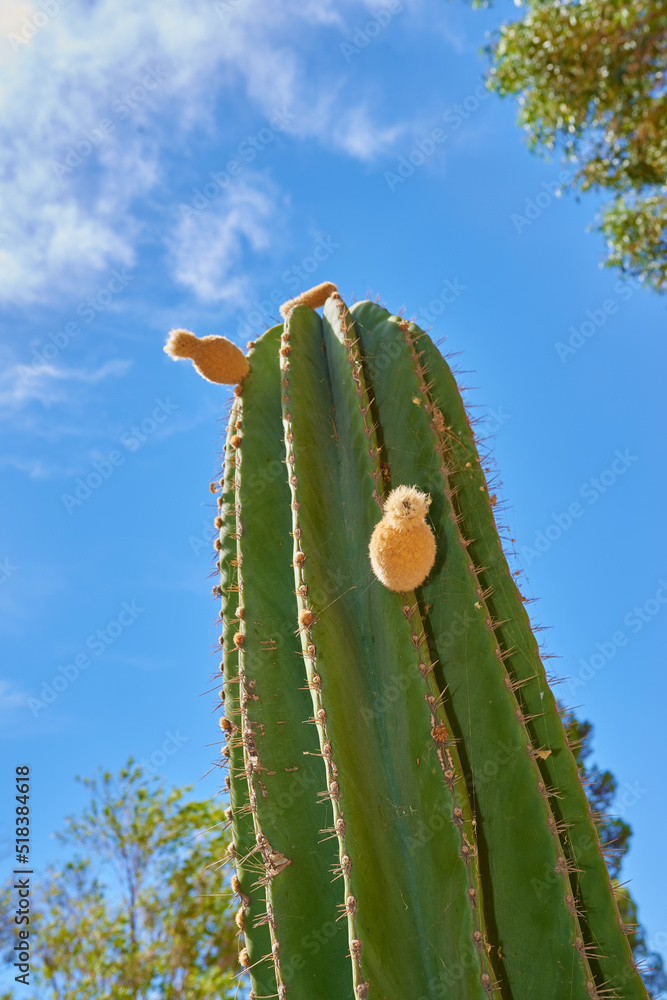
{"points": [[407, 815]]}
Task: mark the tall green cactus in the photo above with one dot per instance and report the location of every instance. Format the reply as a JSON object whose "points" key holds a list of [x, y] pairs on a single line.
{"points": [[407, 816]]}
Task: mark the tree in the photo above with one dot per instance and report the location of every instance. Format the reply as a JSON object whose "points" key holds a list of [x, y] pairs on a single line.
{"points": [[142, 911], [615, 839], [591, 80], [163, 929]]}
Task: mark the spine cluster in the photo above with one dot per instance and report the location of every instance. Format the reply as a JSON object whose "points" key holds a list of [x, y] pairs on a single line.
{"points": [[306, 625]]}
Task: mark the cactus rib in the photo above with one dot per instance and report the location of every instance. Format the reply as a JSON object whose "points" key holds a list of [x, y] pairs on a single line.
{"points": [[306, 617], [605, 942], [515, 841], [251, 915], [562, 868], [280, 767], [342, 324], [384, 804]]}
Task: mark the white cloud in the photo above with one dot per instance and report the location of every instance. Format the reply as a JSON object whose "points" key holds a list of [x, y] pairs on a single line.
{"points": [[35, 468], [21, 384], [78, 86], [206, 244], [118, 366], [359, 136]]}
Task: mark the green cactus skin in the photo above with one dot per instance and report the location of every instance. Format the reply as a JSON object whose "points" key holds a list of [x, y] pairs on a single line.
{"points": [[253, 904], [438, 842], [287, 871], [388, 798], [589, 876]]}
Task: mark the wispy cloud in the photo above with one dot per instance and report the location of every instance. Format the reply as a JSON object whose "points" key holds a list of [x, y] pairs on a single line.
{"points": [[94, 97], [358, 135], [21, 384], [206, 245]]}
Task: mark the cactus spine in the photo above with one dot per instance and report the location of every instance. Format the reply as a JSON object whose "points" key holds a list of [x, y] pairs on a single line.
{"points": [[407, 815]]}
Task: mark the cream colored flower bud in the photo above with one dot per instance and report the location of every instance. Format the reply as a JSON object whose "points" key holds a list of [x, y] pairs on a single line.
{"points": [[402, 546]]}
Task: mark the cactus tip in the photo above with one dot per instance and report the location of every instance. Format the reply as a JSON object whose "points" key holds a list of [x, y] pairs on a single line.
{"points": [[314, 297], [180, 344], [216, 359]]}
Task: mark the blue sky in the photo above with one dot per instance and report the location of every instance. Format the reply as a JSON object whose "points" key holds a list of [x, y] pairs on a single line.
{"points": [[193, 164]]}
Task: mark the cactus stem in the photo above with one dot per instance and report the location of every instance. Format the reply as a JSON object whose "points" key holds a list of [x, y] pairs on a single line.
{"points": [[314, 297], [440, 727], [461, 777], [272, 862], [306, 623], [242, 859], [502, 654]]}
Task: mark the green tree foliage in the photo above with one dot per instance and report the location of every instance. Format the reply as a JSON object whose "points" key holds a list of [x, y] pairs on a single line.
{"points": [[142, 912], [649, 962], [591, 80], [615, 839]]}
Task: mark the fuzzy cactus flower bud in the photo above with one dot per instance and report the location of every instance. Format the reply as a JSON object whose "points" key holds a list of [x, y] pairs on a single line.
{"points": [[402, 546]]}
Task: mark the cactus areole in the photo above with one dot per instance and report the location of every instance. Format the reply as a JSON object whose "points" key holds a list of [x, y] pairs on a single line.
{"points": [[407, 817]]}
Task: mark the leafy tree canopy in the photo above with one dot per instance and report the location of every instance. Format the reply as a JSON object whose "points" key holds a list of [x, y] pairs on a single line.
{"points": [[142, 912], [591, 80], [614, 836]]}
